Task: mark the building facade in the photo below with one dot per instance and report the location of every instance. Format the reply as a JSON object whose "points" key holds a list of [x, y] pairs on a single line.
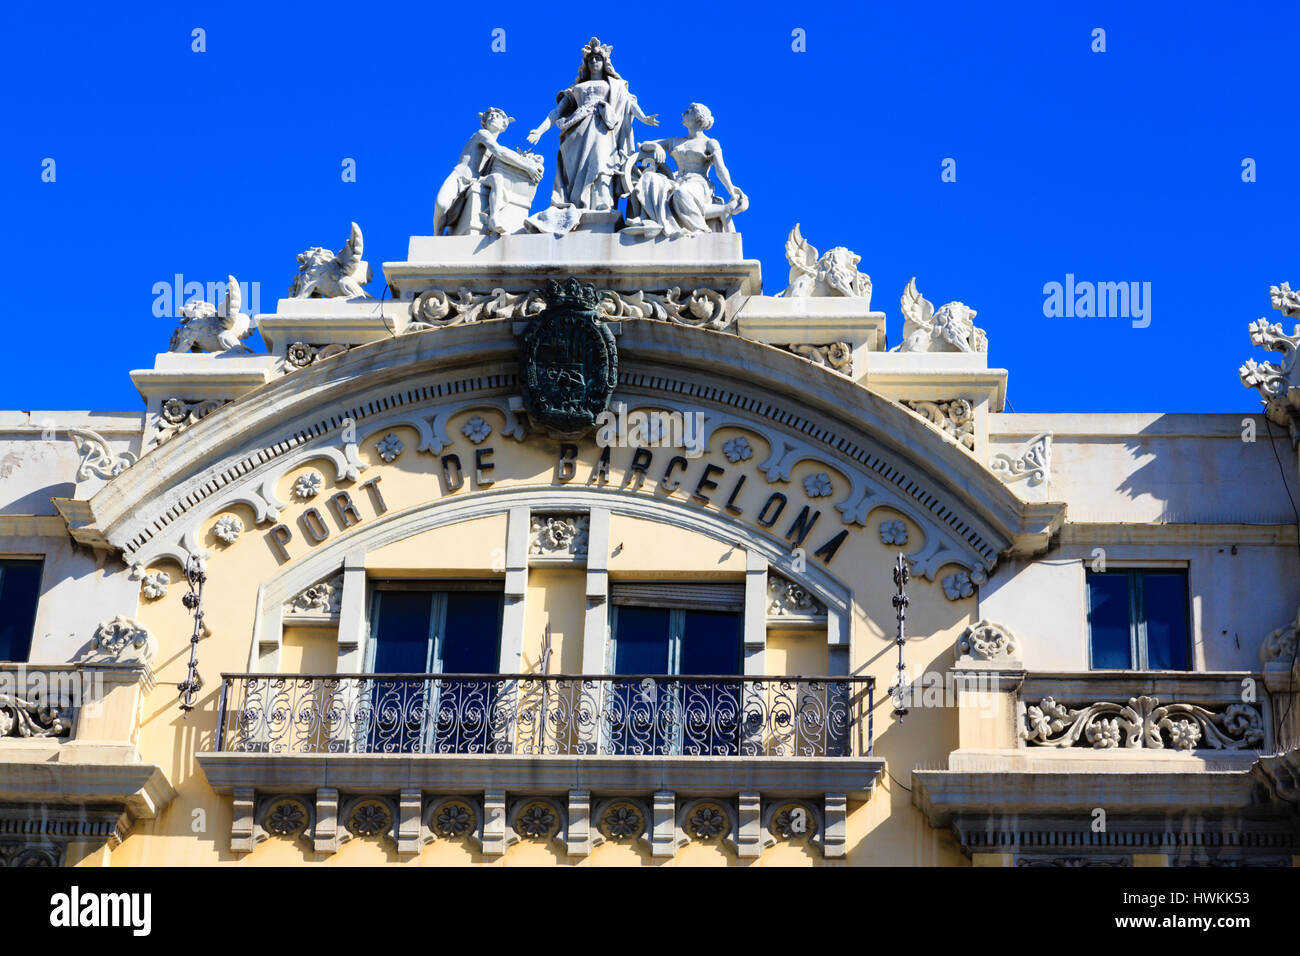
{"points": [[574, 547]]}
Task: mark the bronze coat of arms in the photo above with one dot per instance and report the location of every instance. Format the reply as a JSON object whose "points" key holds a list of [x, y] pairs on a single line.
{"points": [[568, 361]]}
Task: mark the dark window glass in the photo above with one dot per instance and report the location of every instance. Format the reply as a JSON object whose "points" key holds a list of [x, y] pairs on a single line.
{"points": [[471, 633], [402, 632], [710, 643], [642, 640], [1138, 620], [20, 586]]}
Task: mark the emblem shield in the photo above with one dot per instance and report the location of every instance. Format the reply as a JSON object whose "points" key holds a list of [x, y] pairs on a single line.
{"points": [[568, 361]]}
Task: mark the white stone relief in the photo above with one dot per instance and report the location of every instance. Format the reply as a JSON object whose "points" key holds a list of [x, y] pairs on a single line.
{"points": [[951, 329], [893, 531], [331, 275], [962, 584], [1279, 646], [491, 188], [987, 642], [121, 640], [97, 458], [389, 447], [1143, 723], [818, 485], [835, 273], [228, 529], [204, 328], [699, 308], [178, 414], [558, 535], [301, 354], [955, 418], [308, 485], [737, 449], [323, 599], [785, 598], [155, 585], [1276, 381], [836, 356], [1032, 462], [477, 429]]}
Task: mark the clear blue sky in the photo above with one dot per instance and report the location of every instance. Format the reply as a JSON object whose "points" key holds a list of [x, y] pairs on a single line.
{"points": [[1115, 166]]}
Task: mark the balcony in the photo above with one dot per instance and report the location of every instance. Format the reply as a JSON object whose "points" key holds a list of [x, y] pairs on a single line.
{"points": [[748, 745]]}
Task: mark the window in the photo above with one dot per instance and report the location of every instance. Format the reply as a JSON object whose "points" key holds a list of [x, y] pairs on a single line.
{"points": [[1137, 620], [420, 629], [667, 630], [20, 587]]}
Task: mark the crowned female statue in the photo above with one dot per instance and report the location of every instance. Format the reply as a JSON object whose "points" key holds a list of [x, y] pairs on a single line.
{"points": [[594, 117]]}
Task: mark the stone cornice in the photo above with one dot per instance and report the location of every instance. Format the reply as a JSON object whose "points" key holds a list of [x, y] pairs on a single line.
{"points": [[1089, 533]]}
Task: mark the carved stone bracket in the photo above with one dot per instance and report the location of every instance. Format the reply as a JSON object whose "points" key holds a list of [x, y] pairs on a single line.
{"points": [[1033, 462], [955, 418], [1142, 723]]}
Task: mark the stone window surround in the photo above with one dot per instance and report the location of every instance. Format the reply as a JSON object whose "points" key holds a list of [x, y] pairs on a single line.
{"points": [[353, 626]]}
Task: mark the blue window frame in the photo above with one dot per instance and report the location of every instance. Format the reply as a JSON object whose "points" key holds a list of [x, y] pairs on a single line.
{"points": [[20, 589], [1138, 620]]}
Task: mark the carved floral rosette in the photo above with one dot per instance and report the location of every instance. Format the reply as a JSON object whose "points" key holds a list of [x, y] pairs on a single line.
{"points": [[955, 418], [836, 356], [1142, 723], [558, 536], [178, 414]]}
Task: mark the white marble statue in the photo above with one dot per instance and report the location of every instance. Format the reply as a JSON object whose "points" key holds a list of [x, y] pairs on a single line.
{"points": [[331, 276], [488, 180], [594, 117], [951, 329], [661, 202], [205, 328], [835, 273]]}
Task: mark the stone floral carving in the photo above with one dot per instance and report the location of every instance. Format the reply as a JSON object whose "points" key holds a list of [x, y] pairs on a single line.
{"points": [[1032, 462], [707, 822], [28, 855], [893, 531], [369, 818], [22, 716], [323, 598], [835, 273], [955, 418], [308, 485], [1279, 646], [1275, 381], [97, 458], [786, 598], [453, 819], [302, 354], [738, 449], [667, 203], [1143, 723], [559, 535], [285, 818], [121, 640], [536, 821], [228, 529], [818, 485], [477, 429], [177, 414], [389, 447], [435, 308], [951, 329], [491, 187], [986, 641], [836, 356], [155, 585], [621, 821], [793, 821], [204, 328], [962, 584], [332, 275]]}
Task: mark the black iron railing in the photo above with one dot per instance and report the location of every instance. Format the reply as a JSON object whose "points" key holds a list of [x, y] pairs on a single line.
{"points": [[535, 714]]}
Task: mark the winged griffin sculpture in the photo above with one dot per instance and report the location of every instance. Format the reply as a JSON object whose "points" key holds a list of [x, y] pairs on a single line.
{"points": [[331, 276], [835, 273], [951, 329], [205, 328]]}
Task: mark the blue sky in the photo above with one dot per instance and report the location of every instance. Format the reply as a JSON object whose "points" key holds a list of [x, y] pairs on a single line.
{"points": [[1117, 166]]}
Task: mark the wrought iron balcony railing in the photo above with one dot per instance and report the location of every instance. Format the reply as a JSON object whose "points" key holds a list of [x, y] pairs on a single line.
{"points": [[570, 715]]}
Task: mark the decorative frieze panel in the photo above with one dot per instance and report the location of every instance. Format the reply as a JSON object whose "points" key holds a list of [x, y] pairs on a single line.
{"points": [[1142, 723], [791, 605], [320, 602], [955, 418], [699, 308], [558, 538], [1031, 463], [24, 717]]}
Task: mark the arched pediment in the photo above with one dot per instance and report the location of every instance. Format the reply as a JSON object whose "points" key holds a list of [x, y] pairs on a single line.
{"points": [[879, 454]]}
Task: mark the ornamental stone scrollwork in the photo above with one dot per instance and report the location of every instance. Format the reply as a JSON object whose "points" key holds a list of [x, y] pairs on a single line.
{"points": [[302, 354], [324, 599], [986, 642], [228, 529], [154, 586], [955, 418], [1279, 646], [1032, 462], [951, 329], [121, 641], [308, 485], [893, 531], [700, 308], [26, 854], [435, 309], [178, 414], [1275, 381], [788, 600], [834, 274], [389, 447], [98, 460], [205, 328], [1142, 723], [329, 275], [836, 356], [27, 717], [563, 536]]}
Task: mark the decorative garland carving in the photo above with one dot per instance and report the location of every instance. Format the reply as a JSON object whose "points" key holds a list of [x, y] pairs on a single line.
{"points": [[836, 356], [1033, 461], [97, 458], [1142, 723], [20, 717], [436, 309], [955, 418]]}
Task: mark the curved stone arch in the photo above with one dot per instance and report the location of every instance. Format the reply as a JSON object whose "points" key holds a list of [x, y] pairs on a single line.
{"points": [[329, 557]]}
